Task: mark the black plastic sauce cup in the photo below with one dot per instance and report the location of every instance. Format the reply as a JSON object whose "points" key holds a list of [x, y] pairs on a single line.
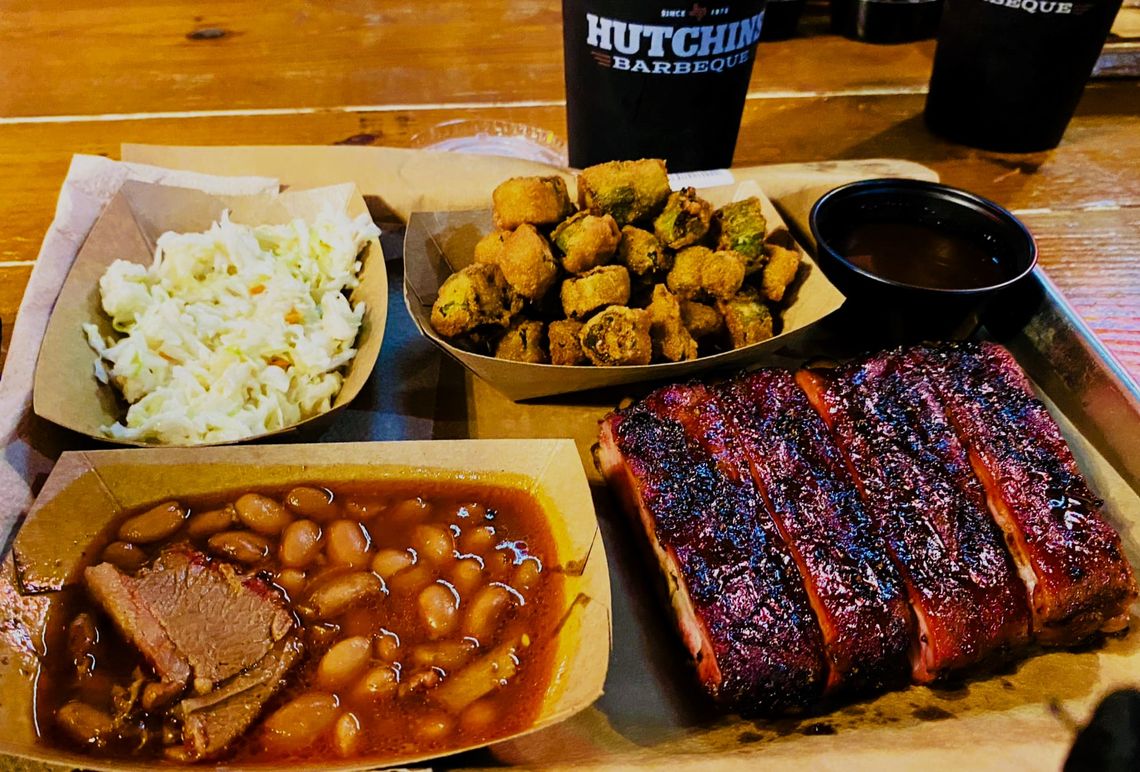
{"points": [[937, 209]]}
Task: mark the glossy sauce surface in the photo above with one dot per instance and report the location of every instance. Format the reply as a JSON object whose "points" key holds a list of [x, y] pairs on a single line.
{"points": [[470, 582], [925, 256]]}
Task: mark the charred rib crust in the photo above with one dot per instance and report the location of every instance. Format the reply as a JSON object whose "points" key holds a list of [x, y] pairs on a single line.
{"points": [[740, 577], [930, 508], [855, 588], [1083, 580]]}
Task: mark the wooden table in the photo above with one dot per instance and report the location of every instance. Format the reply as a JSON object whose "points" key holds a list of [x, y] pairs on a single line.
{"points": [[85, 79]]}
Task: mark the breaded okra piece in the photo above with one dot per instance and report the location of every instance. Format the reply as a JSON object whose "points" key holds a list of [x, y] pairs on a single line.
{"points": [[642, 253], [534, 200], [701, 320], [630, 191], [477, 295], [586, 241], [606, 285], [565, 348], [779, 271], [740, 227], [684, 220], [527, 262], [670, 338], [522, 342], [698, 272], [488, 248], [747, 318], [618, 336]]}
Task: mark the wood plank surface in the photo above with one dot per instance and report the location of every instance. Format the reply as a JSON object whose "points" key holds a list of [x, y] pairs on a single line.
{"points": [[152, 56]]}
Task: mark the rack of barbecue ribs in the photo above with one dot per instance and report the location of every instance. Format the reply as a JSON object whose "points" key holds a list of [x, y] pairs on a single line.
{"points": [[834, 533]]}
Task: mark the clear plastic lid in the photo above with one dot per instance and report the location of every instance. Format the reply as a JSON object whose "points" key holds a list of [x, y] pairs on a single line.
{"points": [[490, 137]]}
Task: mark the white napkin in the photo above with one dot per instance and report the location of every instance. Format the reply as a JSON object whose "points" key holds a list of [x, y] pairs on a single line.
{"points": [[91, 182]]}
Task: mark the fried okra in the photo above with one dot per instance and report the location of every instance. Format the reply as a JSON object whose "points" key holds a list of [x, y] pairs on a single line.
{"points": [[642, 253], [534, 200], [477, 295], [586, 240], [565, 347], [701, 320], [779, 271], [747, 318], [522, 342], [684, 220], [740, 227], [698, 272], [487, 249], [607, 285], [527, 262], [630, 191], [666, 329], [618, 336]]}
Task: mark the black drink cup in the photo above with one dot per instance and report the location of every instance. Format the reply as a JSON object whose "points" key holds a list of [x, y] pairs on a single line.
{"points": [[1008, 73], [657, 79]]}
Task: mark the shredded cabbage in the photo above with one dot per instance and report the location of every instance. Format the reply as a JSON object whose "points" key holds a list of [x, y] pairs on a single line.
{"points": [[234, 332]]}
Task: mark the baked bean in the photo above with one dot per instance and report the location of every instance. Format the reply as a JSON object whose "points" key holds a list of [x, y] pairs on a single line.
{"points": [[471, 512], [467, 575], [378, 683], [300, 544], [388, 646], [153, 525], [485, 610], [527, 574], [341, 593], [433, 727], [84, 724], [420, 681], [348, 544], [499, 564], [346, 734], [313, 503], [479, 540], [363, 508], [343, 662], [206, 524], [412, 580], [447, 655], [82, 635], [242, 546], [389, 562], [262, 514], [321, 635], [439, 609], [300, 722], [478, 717], [292, 581], [434, 543], [124, 555], [409, 511]]}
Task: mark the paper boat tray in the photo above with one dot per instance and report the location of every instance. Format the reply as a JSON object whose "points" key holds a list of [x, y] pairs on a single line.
{"points": [[66, 391], [438, 244], [88, 491]]}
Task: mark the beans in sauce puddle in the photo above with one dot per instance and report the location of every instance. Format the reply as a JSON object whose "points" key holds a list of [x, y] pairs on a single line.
{"points": [[424, 609]]}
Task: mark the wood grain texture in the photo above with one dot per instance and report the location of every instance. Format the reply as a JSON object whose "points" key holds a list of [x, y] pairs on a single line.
{"points": [[149, 56], [1098, 162], [13, 279]]}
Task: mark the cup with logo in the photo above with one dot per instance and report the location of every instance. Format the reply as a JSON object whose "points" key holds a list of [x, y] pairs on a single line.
{"points": [[1008, 74], [658, 79]]}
